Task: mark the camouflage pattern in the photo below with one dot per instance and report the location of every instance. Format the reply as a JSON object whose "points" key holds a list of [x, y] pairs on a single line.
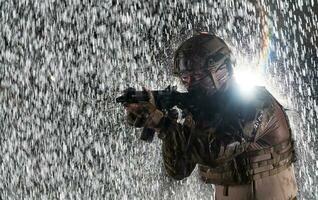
{"points": [[252, 166]]}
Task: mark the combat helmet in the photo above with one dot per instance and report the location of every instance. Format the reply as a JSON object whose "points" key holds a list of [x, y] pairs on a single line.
{"points": [[207, 54]]}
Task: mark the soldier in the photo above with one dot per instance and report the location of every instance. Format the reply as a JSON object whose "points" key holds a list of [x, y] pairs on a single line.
{"points": [[244, 148]]}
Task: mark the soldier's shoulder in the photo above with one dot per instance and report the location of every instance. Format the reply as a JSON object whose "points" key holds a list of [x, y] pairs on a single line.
{"points": [[258, 97], [263, 96], [260, 100]]}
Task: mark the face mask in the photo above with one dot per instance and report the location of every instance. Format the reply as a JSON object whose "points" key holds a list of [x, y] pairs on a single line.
{"points": [[198, 81], [205, 81]]}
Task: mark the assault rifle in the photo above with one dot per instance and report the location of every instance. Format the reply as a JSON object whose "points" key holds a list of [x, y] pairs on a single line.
{"points": [[165, 100]]}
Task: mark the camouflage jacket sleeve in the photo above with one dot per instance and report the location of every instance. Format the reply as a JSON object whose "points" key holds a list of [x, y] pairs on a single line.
{"points": [[184, 146], [176, 139]]}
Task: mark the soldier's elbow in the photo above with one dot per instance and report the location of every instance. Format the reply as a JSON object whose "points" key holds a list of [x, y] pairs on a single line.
{"points": [[178, 174], [177, 177]]}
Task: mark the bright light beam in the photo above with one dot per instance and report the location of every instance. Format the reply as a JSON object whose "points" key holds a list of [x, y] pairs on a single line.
{"points": [[247, 78]]}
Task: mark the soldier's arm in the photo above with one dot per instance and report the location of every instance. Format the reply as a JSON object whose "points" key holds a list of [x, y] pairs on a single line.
{"points": [[274, 126], [182, 149], [176, 137], [176, 147]]}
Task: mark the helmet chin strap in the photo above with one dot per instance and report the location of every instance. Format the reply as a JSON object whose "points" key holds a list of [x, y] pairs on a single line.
{"points": [[214, 80]]}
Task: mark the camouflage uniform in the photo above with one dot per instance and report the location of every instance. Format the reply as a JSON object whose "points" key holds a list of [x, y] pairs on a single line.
{"points": [[242, 146]]}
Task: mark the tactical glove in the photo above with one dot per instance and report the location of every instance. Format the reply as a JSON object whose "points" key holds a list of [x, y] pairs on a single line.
{"points": [[144, 114]]}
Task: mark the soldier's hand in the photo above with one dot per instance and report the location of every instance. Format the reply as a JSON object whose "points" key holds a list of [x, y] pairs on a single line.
{"points": [[144, 114]]}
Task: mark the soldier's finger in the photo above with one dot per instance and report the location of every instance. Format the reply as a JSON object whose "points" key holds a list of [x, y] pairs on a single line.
{"points": [[150, 94]]}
